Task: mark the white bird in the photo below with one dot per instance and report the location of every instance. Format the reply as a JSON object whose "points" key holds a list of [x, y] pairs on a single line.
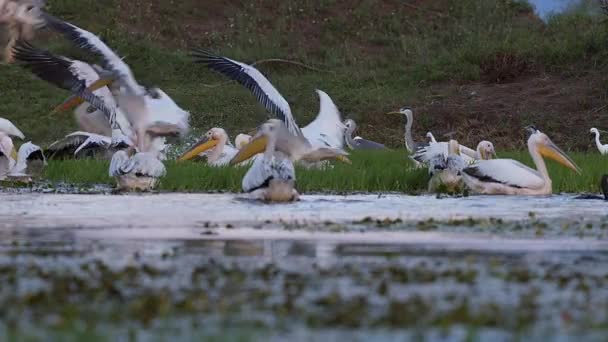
{"points": [[326, 130], [431, 137], [602, 148], [83, 145], [21, 166], [485, 150], [138, 172], [358, 143], [151, 112], [510, 177], [9, 128], [446, 172], [69, 74], [272, 177], [215, 145]]}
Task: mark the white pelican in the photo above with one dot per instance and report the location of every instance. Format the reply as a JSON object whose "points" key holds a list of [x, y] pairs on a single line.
{"points": [[272, 177], [446, 172], [485, 150], [70, 74], [326, 130], [18, 20], [241, 140], [151, 112], [358, 143], [215, 145], [602, 148], [30, 162], [431, 137], [510, 177]]}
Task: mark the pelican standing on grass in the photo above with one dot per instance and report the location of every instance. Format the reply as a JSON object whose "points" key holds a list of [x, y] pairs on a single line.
{"points": [[358, 143], [485, 150], [510, 177], [602, 148], [272, 177], [326, 130]]}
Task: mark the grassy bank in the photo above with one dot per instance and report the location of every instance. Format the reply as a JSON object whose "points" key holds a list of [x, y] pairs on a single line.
{"points": [[370, 172], [481, 68]]}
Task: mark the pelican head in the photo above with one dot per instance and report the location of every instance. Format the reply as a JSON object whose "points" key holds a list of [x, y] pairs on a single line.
{"points": [[543, 145], [212, 138], [242, 140], [486, 150]]}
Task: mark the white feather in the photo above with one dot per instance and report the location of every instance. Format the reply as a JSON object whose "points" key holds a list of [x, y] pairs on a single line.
{"points": [[509, 172], [264, 168], [327, 129], [9, 128]]}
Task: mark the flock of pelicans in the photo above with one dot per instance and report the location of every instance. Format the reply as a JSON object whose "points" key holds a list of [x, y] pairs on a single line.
{"points": [[131, 125]]}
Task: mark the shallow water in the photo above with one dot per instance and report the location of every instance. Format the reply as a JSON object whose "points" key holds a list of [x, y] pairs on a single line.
{"points": [[368, 267]]}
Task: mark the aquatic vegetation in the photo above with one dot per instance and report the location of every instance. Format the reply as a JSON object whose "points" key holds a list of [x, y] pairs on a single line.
{"points": [[383, 171]]}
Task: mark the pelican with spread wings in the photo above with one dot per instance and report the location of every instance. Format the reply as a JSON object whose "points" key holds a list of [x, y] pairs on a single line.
{"points": [[326, 130]]}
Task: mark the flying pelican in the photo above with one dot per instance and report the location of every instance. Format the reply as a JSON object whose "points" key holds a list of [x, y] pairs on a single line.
{"points": [[358, 143], [153, 108], [446, 172], [510, 177], [66, 73], [272, 177], [602, 148], [18, 20], [326, 130]]}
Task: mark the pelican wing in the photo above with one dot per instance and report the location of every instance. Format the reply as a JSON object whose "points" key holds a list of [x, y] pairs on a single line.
{"points": [[57, 70], [90, 42], [253, 80], [326, 129], [425, 152], [8, 128], [74, 143], [505, 171]]}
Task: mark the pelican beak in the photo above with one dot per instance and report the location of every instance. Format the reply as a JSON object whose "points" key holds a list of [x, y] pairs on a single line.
{"points": [[14, 154], [200, 147], [344, 159], [76, 100], [551, 151], [257, 145]]}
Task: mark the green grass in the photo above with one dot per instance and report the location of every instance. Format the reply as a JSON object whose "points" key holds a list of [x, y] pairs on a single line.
{"points": [[381, 57], [370, 172]]}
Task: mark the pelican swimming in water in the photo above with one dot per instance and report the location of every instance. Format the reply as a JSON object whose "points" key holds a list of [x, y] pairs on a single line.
{"points": [[215, 145], [510, 177], [272, 177], [326, 130], [602, 148], [446, 172], [358, 143]]}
